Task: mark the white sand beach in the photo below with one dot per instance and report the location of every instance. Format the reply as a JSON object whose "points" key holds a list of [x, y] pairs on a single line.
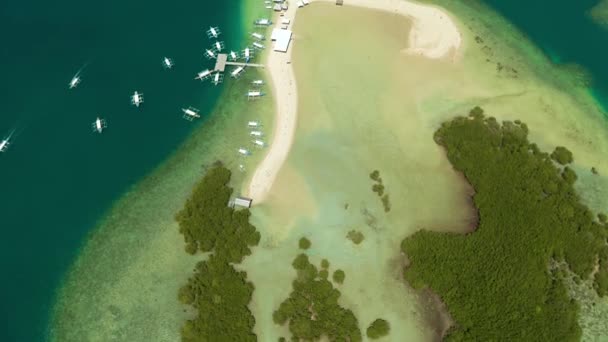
{"points": [[433, 35]]}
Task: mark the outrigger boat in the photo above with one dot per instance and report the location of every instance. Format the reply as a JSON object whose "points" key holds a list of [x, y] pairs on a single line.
{"points": [[75, 81], [237, 72], [217, 78], [258, 83], [203, 74], [213, 32], [247, 54], [254, 94], [209, 54], [137, 99], [190, 113], [253, 124], [244, 152], [167, 63], [234, 56], [263, 22], [99, 125], [218, 46], [259, 143], [5, 143]]}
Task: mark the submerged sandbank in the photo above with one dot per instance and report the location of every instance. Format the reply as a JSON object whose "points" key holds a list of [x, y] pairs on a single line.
{"points": [[353, 118], [433, 35], [364, 105]]}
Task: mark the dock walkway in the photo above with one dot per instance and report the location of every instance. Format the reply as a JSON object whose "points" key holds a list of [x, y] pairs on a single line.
{"points": [[222, 61]]}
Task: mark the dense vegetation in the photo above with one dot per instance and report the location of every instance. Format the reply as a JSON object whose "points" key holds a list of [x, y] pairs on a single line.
{"points": [[378, 188], [218, 292], [355, 236], [378, 328], [312, 308], [496, 281], [208, 223]]}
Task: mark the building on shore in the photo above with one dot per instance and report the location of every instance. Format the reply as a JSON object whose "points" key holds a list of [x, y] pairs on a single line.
{"points": [[242, 202], [281, 38]]}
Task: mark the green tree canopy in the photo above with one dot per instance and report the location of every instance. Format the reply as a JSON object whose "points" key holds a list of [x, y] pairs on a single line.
{"points": [[304, 243], [312, 309], [378, 328], [339, 276], [496, 282], [562, 155]]}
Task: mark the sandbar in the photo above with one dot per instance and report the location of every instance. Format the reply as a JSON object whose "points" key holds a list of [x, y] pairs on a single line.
{"points": [[433, 35]]}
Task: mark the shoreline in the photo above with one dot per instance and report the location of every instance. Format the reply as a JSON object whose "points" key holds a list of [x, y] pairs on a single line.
{"points": [[433, 35]]}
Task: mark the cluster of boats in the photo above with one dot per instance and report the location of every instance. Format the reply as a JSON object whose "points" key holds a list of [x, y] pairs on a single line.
{"points": [[191, 113]]}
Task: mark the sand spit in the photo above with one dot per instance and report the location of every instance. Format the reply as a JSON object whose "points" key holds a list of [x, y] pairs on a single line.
{"points": [[285, 93], [433, 35]]}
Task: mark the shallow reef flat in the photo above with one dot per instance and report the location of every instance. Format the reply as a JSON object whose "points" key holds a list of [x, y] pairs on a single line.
{"points": [[124, 284], [356, 114], [366, 105]]}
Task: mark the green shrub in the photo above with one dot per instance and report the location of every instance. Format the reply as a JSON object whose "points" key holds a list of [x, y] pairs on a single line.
{"points": [[378, 188], [304, 243], [562, 155], [375, 175], [339, 276], [355, 236], [378, 328], [300, 262], [325, 263]]}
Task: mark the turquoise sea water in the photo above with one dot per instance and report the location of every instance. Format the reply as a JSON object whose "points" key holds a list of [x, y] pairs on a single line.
{"points": [[566, 33], [58, 177]]}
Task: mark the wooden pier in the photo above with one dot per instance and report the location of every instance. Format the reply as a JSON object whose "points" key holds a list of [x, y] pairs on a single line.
{"points": [[222, 61]]}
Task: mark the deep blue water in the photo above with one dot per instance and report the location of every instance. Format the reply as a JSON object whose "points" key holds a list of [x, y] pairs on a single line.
{"points": [[565, 32], [58, 177]]}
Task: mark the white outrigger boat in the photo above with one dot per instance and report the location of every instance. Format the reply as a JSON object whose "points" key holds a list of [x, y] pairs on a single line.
{"points": [[254, 94], [257, 36], [253, 124], [234, 56], [213, 32], [5, 143], [237, 72], [247, 54], [258, 45], [263, 22], [75, 81], [137, 99], [217, 78], [190, 113], [258, 83], [259, 143], [244, 152], [256, 133], [99, 125], [167, 63], [203, 74], [210, 54], [218, 46]]}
